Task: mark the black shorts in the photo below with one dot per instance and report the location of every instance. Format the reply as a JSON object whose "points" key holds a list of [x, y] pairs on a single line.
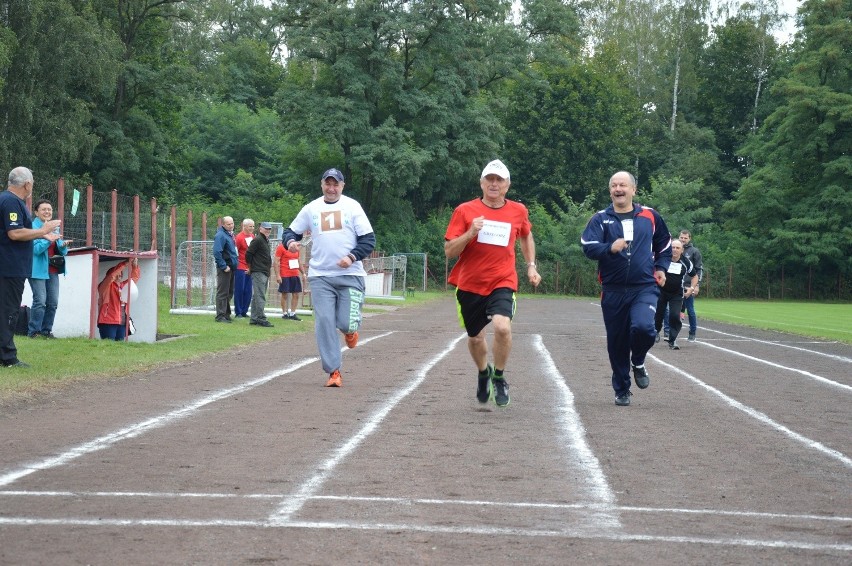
{"points": [[475, 311], [290, 285]]}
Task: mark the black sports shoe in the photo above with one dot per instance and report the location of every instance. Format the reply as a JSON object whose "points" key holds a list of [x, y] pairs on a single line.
{"points": [[657, 338], [484, 388], [673, 345], [623, 400], [640, 374], [690, 338], [501, 391], [294, 317]]}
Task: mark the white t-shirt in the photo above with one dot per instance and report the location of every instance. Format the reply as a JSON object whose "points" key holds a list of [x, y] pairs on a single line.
{"points": [[334, 230]]}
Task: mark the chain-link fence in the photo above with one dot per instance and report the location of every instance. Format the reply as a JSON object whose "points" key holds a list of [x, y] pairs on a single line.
{"points": [[386, 276], [194, 284]]}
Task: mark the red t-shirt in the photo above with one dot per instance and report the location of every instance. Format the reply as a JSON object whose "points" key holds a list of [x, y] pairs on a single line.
{"points": [[242, 241], [284, 257], [488, 262]]}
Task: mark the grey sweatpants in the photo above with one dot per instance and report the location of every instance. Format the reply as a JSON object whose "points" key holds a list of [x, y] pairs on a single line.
{"points": [[337, 305], [259, 283]]}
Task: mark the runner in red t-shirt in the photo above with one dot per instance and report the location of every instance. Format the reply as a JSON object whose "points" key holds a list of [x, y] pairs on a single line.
{"points": [[482, 234]]}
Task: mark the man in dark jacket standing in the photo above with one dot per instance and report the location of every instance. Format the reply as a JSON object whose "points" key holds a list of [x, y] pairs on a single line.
{"points": [[225, 256], [633, 248], [259, 262]]}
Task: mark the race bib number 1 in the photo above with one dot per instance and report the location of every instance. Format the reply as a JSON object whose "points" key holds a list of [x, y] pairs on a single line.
{"points": [[331, 221]]}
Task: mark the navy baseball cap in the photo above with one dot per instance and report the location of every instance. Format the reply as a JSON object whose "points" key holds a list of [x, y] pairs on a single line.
{"points": [[333, 173]]}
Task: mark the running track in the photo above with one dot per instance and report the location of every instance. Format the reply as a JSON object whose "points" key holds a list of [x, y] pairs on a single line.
{"points": [[740, 451]]}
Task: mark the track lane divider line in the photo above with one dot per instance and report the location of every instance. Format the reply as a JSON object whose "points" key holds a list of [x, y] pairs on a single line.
{"points": [[160, 421], [778, 344], [819, 378], [293, 503], [575, 436], [762, 417]]}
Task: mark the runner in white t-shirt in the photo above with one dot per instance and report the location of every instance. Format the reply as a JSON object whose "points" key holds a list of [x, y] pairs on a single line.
{"points": [[341, 236]]}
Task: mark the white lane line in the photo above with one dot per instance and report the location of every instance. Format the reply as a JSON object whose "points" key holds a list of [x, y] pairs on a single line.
{"points": [[819, 378], [837, 455], [463, 530], [753, 320], [408, 501], [137, 429], [780, 344], [576, 533], [293, 503], [590, 506], [575, 438]]}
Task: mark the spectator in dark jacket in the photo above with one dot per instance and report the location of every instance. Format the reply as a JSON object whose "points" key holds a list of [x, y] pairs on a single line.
{"points": [[259, 262], [225, 256]]}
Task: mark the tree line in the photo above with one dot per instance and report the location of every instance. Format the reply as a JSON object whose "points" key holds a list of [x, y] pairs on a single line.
{"points": [[236, 106]]}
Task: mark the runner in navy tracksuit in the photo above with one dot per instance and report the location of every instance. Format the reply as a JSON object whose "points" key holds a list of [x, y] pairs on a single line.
{"points": [[633, 247]]}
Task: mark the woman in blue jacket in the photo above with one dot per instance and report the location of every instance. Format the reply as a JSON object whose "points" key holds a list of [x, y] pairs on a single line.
{"points": [[44, 280]]}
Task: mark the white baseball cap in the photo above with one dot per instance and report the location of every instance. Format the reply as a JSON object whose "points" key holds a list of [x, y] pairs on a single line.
{"points": [[496, 167]]}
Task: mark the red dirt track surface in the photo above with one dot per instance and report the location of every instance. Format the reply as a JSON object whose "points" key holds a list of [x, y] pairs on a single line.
{"points": [[739, 452]]}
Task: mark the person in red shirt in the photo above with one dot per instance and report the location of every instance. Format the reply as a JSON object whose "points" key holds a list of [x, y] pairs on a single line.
{"points": [[482, 234], [242, 281], [112, 303], [289, 276]]}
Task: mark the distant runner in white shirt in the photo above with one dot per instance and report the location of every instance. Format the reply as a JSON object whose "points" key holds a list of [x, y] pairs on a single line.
{"points": [[341, 236]]}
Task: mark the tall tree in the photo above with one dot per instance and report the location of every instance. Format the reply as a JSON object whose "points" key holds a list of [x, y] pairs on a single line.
{"points": [[797, 204], [685, 35], [403, 88], [736, 67], [569, 129], [60, 66], [137, 129]]}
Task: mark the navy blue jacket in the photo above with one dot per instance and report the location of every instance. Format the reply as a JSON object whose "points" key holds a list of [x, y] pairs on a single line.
{"points": [[650, 250], [224, 249]]}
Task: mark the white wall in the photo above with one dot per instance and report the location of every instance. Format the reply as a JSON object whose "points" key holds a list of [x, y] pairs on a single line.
{"points": [[78, 295]]}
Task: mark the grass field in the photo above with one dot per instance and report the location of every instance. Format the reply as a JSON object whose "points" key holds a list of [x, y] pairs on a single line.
{"points": [[819, 320], [55, 362]]}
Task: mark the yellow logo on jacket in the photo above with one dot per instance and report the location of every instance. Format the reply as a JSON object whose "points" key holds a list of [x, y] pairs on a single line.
{"points": [[13, 216]]}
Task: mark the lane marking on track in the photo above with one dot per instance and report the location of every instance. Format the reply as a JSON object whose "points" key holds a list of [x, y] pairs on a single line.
{"points": [[406, 527], [430, 501], [780, 345], [762, 417], [575, 438], [785, 324], [293, 503], [819, 378], [160, 421]]}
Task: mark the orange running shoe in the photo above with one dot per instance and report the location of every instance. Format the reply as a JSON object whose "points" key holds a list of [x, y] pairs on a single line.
{"points": [[334, 379], [351, 339]]}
